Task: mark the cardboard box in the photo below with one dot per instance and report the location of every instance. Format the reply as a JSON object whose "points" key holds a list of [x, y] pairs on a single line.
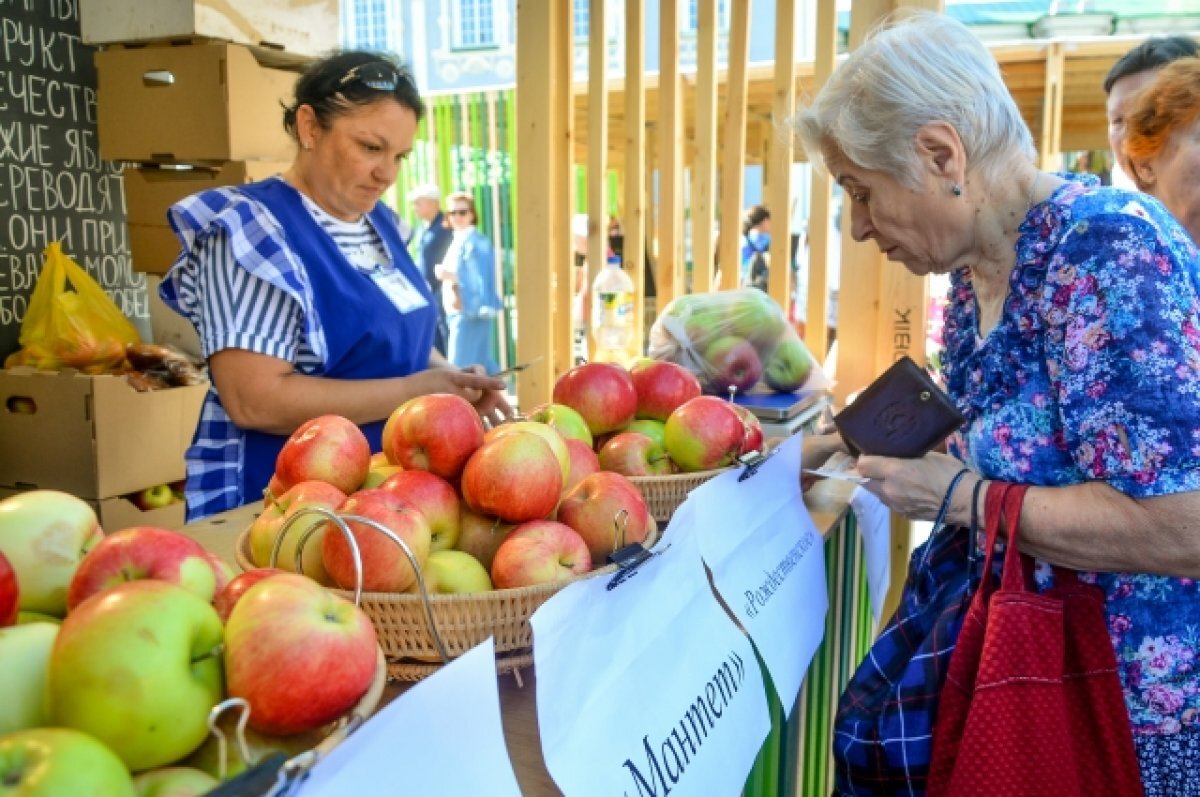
{"points": [[150, 190], [191, 102], [307, 27], [92, 436], [120, 513]]}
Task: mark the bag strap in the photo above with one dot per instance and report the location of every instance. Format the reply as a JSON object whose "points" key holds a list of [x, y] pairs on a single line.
{"points": [[1017, 572], [992, 514]]}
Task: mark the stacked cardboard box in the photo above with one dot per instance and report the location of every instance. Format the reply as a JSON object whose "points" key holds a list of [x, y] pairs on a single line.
{"points": [[95, 437]]}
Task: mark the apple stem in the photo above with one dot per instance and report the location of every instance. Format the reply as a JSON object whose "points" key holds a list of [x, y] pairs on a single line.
{"points": [[218, 650]]}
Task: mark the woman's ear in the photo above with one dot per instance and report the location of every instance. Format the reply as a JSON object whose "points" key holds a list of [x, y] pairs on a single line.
{"points": [[940, 152], [307, 126]]}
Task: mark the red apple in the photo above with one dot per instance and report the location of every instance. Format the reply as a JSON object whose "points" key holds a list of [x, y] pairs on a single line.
{"points": [[556, 441], [661, 387], [634, 454], [734, 363], [752, 427], [155, 497], [594, 509], [10, 593], [569, 423], [269, 525], [222, 571], [385, 567], [143, 552], [433, 497], [583, 463], [299, 654], [603, 393], [437, 433], [329, 448], [705, 433], [481, 536], [515, 477], [539, 552], [235, 589]]}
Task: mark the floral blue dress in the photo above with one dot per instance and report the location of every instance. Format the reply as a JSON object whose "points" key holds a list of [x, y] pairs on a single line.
{"points": [[1093, 374]]}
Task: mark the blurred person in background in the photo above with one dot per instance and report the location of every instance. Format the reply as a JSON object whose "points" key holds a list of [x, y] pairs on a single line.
{"points": [[304, 296], [756, 245], [1128, 75], [1162, 141], [469, 295], [432, 239]]}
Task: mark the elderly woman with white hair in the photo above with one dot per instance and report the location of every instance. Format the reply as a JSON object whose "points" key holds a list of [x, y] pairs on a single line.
{"points": [[1072, 349]]}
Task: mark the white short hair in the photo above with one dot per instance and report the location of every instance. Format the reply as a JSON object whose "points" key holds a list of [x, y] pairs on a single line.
{"points": [[426, 191], [921, 68]]}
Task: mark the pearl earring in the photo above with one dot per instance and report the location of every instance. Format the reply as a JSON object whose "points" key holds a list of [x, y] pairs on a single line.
{"points": [[956, 189]]}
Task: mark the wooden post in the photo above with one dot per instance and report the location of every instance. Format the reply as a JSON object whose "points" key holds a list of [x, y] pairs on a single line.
{"points": [[779, 199], [733, 155], [597, 153], [634, 221], [1050, 143], [541, 192], [816, 333], [670, 158], [563, 170], [704, 167]]}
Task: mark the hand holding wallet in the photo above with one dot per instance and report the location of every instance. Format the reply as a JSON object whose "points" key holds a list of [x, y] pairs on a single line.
{"points": [[901, 414]]}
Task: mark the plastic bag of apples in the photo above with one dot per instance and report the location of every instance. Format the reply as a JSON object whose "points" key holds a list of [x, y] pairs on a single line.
{"points": [[732, 341]]}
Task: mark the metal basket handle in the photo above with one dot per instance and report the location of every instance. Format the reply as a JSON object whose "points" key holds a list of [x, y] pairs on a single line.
{"points": [[340, 522], [620, 522], [214, 727]]}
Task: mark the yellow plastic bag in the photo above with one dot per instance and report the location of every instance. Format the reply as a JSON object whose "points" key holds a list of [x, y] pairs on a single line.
{"points": [[71, 321]]}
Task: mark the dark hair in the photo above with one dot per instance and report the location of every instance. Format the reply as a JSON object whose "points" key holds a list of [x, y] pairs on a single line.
{"points": [[324, 87], [755, 215], [1151, 54], [460, 196]]}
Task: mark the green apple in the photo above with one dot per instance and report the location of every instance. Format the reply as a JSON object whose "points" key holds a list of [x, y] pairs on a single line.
{"points": [[377, 476], [569, 423], [25, 651], [655, 430], [455, 573], [139, 667], [45, 534], [174, 782], [789, 366], [36, 617], [756, 317], [60, 762]]}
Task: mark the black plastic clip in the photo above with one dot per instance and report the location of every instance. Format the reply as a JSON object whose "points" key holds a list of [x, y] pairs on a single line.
{"points": [[751, 461], [628, 559], [253, 782]]}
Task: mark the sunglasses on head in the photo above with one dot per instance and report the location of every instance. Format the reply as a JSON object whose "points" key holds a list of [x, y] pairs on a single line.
{"points": [[377, 75], [459, 212]]}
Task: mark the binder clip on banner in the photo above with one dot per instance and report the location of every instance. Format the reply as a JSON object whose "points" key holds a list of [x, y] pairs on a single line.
{"points": [[277, 775], [627, 557]]}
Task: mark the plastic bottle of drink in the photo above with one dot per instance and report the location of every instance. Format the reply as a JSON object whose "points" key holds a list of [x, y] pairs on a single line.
{"points": [[612, 313]]}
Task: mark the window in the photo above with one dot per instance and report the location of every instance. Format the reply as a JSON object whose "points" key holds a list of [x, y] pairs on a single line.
{"points": [[579, 19], [474, 24], [693, 16], [371, 26]]}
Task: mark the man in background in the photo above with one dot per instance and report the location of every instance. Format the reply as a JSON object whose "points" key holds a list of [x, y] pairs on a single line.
{"points": [[433, 239], [1128, 76]]}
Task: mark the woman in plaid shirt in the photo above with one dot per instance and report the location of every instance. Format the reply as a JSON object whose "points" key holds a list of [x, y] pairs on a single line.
{"points": [[1073, 349], [304, 295]]}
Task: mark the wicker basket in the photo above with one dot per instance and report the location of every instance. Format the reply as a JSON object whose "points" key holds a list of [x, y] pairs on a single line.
{"points": [[664, 494], [463, 621]]}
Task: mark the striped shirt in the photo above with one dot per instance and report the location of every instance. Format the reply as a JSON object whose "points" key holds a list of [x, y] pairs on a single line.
{"points": [[238, 283]]}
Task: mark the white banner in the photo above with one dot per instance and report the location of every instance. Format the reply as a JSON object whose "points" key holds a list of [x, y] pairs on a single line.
{"points": [[767, 562], [648, 688], [441, 737]]}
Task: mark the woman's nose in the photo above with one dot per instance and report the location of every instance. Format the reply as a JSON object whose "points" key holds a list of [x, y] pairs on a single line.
{"points": [[860, 223]]}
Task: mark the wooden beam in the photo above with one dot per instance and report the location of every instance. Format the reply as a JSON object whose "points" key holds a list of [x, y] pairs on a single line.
{"points": [[539, 193], [704, 168], [816, 333], [733, 155], [597, 161], [1050, 141], [670, 159], [562, 175], [779, 200], [634, 221]]}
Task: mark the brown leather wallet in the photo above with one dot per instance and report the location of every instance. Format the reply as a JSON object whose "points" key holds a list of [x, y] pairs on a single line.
{"points": [[901, 414]]}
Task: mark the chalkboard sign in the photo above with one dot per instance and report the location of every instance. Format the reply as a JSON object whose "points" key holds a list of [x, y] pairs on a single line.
{"points": [[53, 185]]}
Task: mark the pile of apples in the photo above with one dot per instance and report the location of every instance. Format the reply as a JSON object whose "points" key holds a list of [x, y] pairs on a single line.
{"points": [[649, 420], [123, 644], [732, 340]]}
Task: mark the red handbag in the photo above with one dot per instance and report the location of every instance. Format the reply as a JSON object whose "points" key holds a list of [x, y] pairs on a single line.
{"points": [[1032, 704]]}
